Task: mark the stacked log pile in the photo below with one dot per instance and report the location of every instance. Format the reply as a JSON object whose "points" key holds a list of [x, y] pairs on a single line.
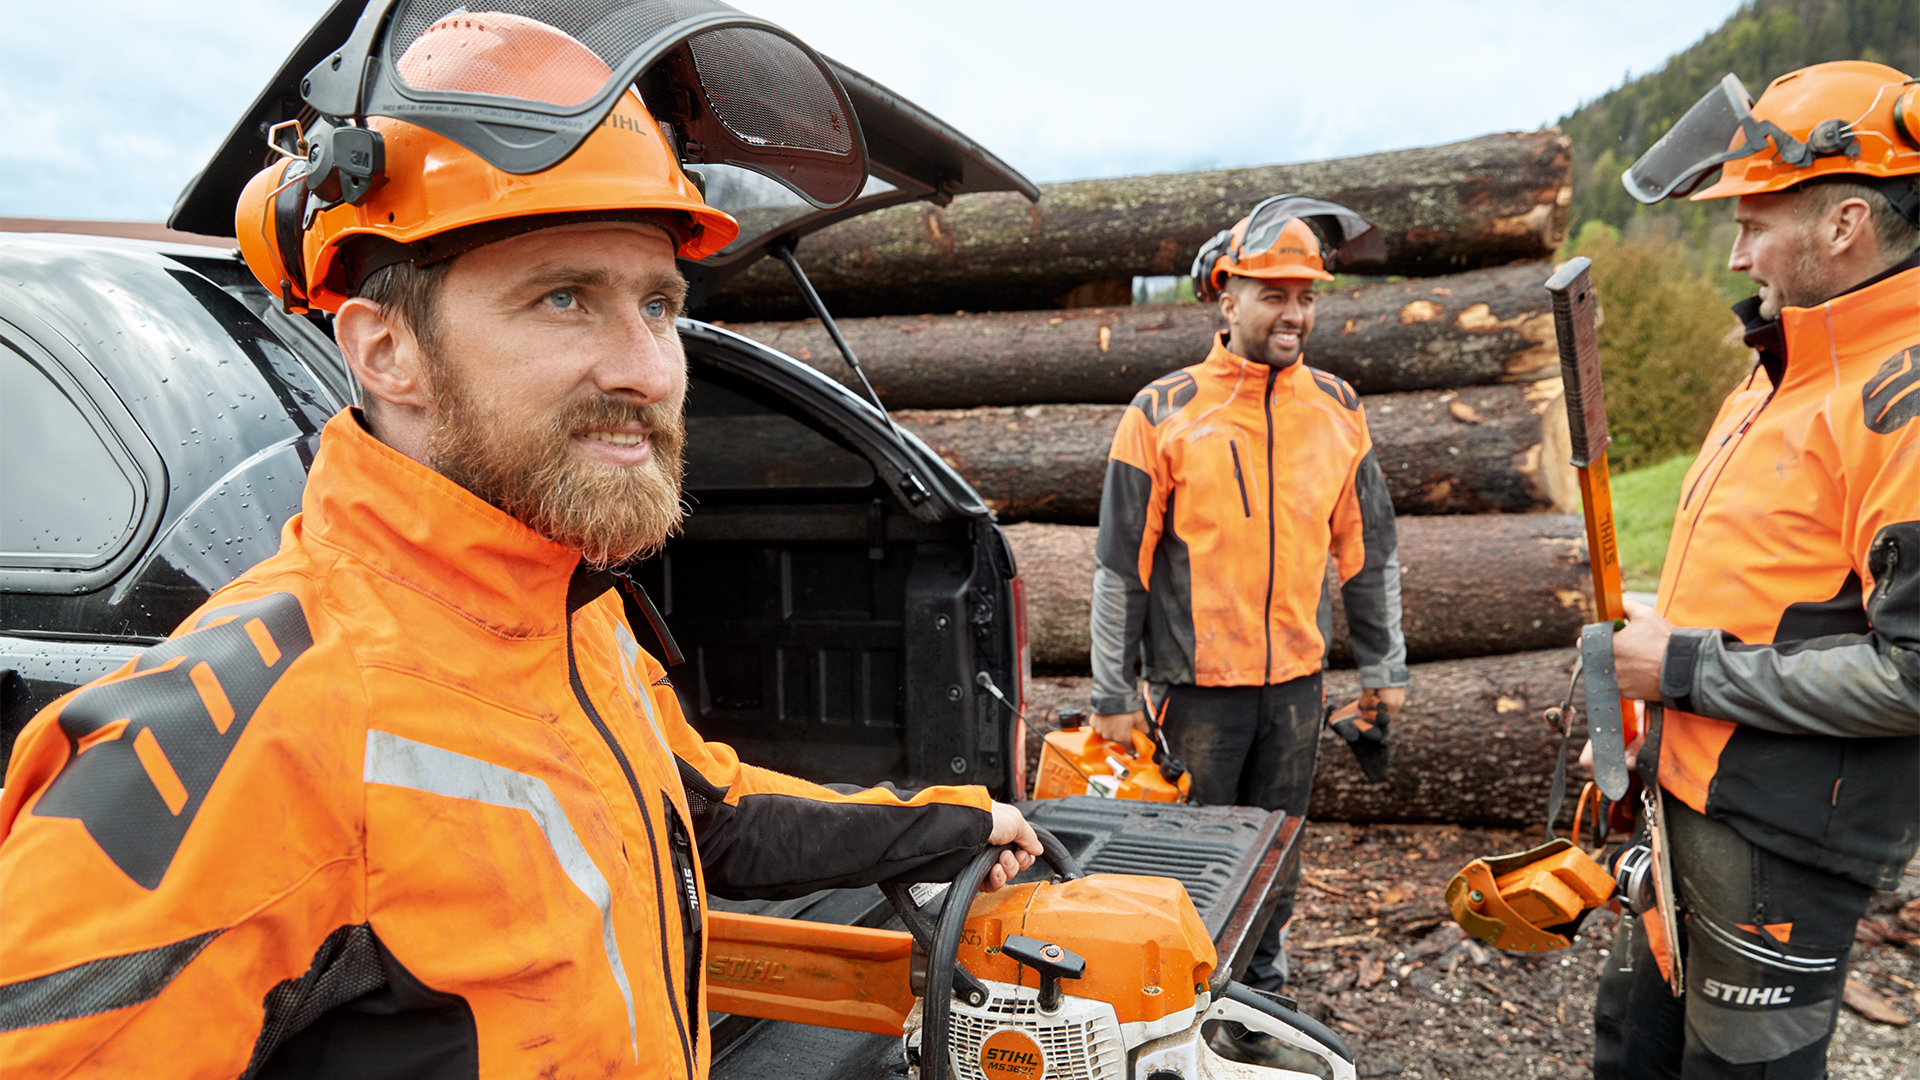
{"points": [[1000, 333]]}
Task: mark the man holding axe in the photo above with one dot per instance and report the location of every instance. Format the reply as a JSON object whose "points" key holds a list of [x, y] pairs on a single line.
{"points": [[1782, 663]]}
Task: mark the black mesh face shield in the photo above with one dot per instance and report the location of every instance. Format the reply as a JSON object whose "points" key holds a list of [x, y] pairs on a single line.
{"points": [[1719, 128], [734, 89]]}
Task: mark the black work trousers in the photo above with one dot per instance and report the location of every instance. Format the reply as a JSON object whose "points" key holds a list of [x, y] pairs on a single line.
{"points": [[1765, 947], [1250, 746]]}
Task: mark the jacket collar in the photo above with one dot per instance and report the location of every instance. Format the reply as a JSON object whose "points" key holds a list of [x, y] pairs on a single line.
{"points": [[426, 533], [1769, 336], [1225, 362]]}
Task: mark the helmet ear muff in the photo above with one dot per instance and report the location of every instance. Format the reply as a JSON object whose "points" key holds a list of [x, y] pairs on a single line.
{"points": [[1906, 114]]}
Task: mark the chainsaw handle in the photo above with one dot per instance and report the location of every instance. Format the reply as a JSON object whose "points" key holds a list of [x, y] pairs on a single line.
{"points": [[943, 959], [1239, 994]]}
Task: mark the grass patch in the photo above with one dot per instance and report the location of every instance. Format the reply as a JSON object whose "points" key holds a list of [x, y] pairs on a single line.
{"points": [[1643, 504]]}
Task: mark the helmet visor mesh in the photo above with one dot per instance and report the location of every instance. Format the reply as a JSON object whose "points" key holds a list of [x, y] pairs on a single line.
{"points": [[759, 99], [757, 84]]}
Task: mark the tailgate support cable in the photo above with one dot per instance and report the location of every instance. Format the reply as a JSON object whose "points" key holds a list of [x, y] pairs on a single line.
{"points": [[916, 491]]}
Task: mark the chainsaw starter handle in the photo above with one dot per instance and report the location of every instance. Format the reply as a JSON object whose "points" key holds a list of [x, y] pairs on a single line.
{"points": [[943, 959]]}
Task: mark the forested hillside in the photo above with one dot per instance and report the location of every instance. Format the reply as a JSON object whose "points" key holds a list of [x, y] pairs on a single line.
{"points": [[1762, 41]]}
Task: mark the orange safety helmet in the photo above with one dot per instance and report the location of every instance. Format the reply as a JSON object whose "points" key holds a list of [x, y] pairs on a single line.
{"points": [[1849, 118], [424, 198], [1286, 236]]}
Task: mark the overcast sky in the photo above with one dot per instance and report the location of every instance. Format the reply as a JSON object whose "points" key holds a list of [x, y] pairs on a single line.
{"points": [[107, 114]]}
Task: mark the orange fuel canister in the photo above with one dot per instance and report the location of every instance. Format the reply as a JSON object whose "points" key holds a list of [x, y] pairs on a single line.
{"points": [[1076, 761]]}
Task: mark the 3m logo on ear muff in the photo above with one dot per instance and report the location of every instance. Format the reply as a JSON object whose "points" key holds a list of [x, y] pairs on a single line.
{"points": [[1892, 396]]}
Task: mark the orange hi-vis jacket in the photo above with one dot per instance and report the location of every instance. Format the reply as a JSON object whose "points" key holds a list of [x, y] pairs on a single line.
{"points": [[1793, 688], [1228, 484], [407, 799]]}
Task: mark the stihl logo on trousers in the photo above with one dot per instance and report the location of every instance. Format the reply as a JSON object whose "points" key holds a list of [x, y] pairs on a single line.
{"points": [[1748, 995]]}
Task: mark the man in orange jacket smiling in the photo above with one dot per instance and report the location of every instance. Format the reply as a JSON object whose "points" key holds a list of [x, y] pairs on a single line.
{"points": [[1229, 484], [1786, 646], [408, 798]]}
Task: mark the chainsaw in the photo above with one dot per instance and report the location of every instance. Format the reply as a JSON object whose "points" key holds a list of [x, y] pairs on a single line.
{"points": [[1081, 976]]}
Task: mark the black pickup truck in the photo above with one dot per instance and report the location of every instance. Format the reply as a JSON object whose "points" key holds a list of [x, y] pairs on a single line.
{"points": [[838, 590]]}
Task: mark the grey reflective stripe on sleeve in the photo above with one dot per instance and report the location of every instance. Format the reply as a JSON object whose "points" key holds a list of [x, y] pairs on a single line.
{"points": [[1843, 685], [97, 986], [400, 762], [1372, 595], [1116, 608], [1119, 596]]}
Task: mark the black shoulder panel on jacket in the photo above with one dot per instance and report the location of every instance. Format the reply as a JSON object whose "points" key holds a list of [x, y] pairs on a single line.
{"points": [[395, 1028], [1165, 395], [1892, 396], [1336, 388], [184, 708], [1843, 614]]}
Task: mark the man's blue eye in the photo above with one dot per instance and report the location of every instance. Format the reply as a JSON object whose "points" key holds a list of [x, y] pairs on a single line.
{"points": [[560, 298], [655, 309]]}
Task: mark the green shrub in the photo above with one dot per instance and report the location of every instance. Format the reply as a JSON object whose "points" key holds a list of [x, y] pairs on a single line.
{"points": [[1669, 348], [1643, 505]]}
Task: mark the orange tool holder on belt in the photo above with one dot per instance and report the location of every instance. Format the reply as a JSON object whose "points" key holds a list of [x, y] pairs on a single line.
{"points": [[1077, 761]]}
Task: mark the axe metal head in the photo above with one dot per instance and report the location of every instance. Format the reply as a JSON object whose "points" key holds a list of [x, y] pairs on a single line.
{"points": [[1575, 320]]}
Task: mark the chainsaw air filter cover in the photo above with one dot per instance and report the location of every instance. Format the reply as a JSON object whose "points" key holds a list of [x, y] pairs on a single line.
{"points": [[1147, 952]]}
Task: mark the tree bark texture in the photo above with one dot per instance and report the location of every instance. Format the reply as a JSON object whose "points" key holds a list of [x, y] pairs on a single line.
{"points": [[1469, 749], [1478, 449], [1470, 586], [1483, 202], [1484, 326]]}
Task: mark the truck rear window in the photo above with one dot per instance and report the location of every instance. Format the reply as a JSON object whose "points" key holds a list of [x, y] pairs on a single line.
{"points": [[737, 442]]}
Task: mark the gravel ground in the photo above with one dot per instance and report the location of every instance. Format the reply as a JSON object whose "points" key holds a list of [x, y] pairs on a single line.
{"points": [[1376, 955]]}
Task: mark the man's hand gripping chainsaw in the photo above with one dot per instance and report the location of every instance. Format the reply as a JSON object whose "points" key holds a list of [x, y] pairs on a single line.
{"points": [[1108, 976]]}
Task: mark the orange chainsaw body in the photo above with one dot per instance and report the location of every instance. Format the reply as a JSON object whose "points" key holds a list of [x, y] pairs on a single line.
{"points": [[1077, 761], [1147, 953]]}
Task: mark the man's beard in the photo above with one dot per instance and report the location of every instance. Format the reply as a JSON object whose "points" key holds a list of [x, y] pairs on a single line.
{"points": [[1809, 281], [610, 514]]}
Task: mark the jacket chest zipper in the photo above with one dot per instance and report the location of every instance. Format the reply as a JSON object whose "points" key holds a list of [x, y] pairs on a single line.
{"points": [[1246, 508], [1266, 612], [686, 1023]]}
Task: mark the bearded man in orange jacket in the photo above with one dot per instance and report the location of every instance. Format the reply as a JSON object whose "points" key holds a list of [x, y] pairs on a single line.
{"points": [[1229, 484], [408, 798], [1785, 650]]}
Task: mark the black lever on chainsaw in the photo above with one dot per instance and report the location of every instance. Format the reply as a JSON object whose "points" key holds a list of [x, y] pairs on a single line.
{"points": [[1051, 962], [943, 960]]}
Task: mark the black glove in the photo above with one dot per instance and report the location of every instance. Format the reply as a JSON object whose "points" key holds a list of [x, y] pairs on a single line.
{"points": [[1366, 733]]}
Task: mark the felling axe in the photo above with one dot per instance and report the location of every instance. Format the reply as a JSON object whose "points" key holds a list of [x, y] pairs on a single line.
{"points": [[1610, 719], [1536, 899]]}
